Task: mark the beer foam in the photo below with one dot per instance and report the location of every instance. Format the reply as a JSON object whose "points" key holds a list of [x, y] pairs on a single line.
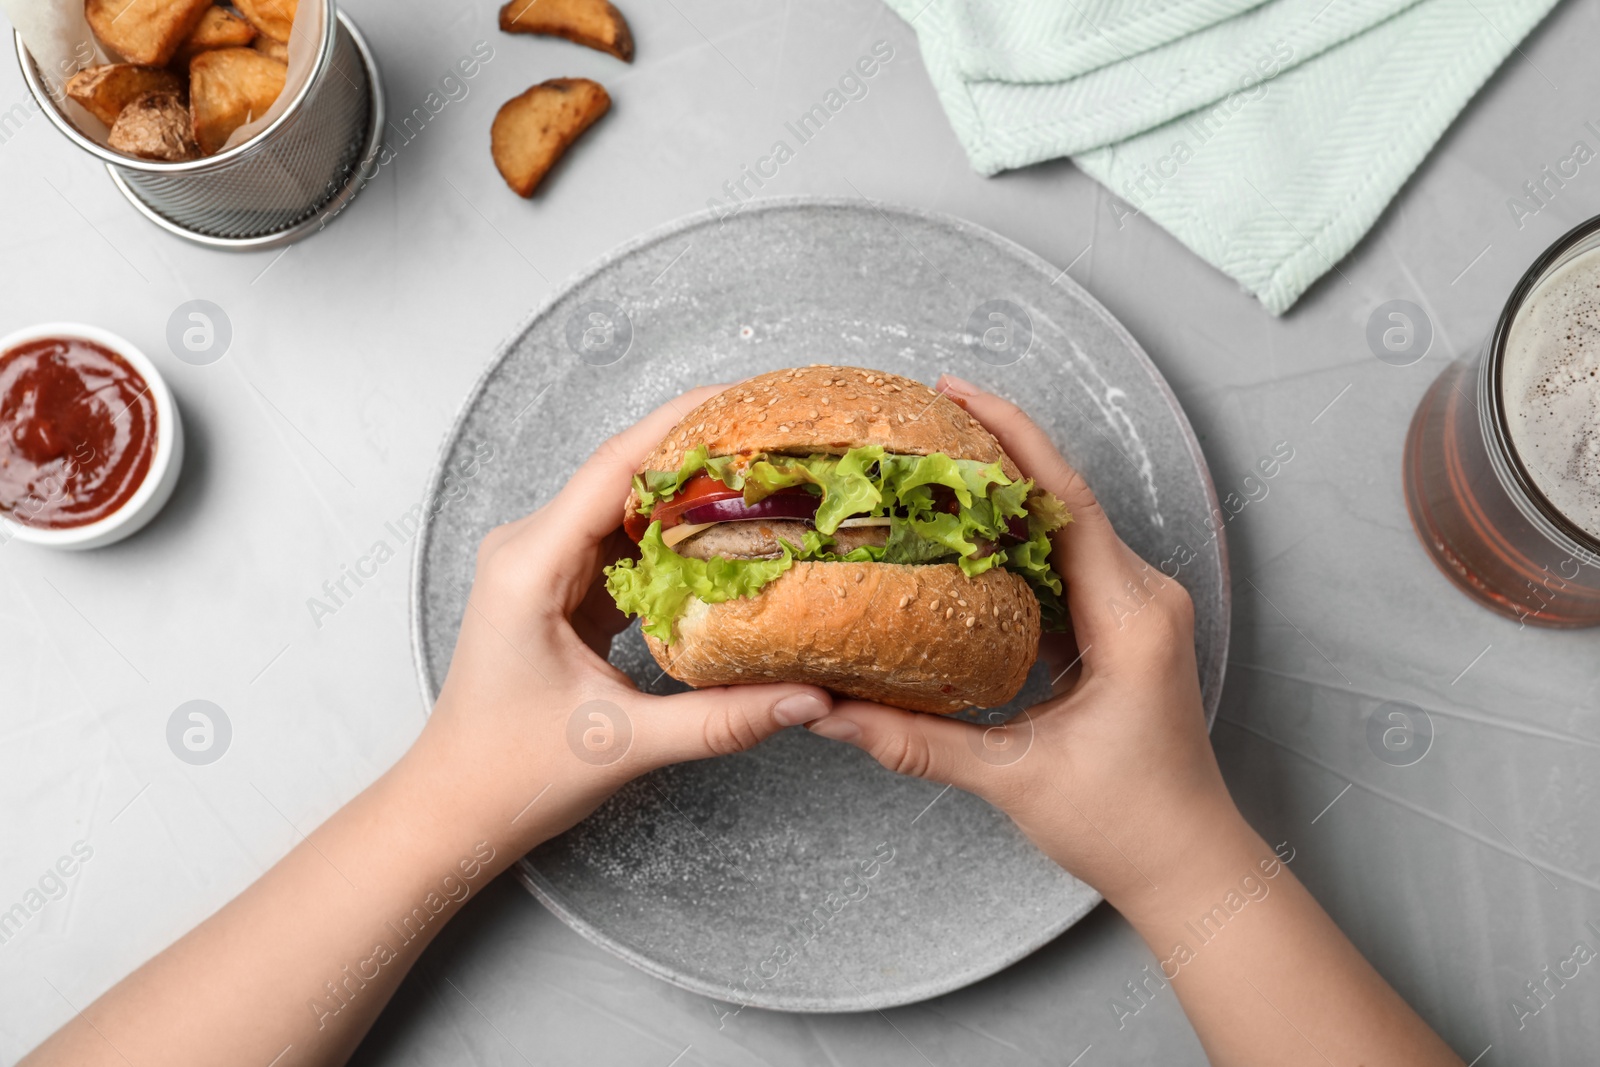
{"points": [[1550, 381]]}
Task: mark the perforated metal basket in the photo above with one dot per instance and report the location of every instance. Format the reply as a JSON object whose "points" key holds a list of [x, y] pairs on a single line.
{"points": [[283, 183]]}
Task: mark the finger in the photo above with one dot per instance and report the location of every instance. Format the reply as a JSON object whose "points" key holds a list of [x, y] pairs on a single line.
{"points": [[589, 506], [560, 542], [597, 472], [724, 720], [596, 618], [1103, 575], [1097, 555], [913, 744]]}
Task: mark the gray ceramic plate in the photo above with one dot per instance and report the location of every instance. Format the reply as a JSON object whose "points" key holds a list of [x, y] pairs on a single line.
{"points": [[744, 878]]}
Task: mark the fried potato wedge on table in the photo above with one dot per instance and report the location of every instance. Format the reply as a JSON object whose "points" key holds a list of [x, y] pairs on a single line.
{"points": [[592, 23], [155, 126], [218, 28], [272, 17], [227, 88], [144, 31], [106, 90], [532, 131], [270, 48]]}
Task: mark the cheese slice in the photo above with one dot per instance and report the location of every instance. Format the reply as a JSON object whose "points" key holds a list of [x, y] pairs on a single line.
{"points": [[686, 530], [683, 530]]}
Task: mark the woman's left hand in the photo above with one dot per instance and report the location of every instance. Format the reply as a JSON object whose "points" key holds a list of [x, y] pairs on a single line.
{"points": [[533, 729]]}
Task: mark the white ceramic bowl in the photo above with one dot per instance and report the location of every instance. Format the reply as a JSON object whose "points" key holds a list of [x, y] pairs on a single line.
{"points": [[159, 480]]}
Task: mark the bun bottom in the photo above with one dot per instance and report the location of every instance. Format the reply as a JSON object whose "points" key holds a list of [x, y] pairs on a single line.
{"points": [[925, 637]]}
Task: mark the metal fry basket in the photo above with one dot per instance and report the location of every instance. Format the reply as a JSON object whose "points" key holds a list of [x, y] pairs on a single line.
{"points": [[282, 184]]}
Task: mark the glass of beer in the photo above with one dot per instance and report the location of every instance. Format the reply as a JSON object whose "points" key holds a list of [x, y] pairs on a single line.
{"points": [[1502, 461]]}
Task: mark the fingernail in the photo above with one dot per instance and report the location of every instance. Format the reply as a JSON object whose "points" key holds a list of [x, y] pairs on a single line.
{"points": [[836, 729], [949, 383], [799, 708]]}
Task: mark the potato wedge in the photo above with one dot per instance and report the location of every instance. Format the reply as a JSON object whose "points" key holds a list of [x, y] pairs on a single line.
{"points": [[155, 126], [591, 23], [144, 31], [227, 88], [272, 17], [531, 132], [106, 90], [270, 48], [219, 28]]}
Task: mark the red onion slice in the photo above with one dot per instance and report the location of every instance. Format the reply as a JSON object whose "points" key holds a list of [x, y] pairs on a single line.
{"points": [[781, 505]]}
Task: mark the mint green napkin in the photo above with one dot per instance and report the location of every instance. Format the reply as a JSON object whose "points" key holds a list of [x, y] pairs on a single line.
{"points": [[1267, 137]]}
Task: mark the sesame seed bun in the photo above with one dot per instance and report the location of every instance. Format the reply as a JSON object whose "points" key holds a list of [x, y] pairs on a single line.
{"points": [[924, 637], [828, 410]]}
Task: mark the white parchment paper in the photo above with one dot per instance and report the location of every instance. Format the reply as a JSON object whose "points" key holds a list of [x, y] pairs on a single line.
{"points": [[305, 40], [58, 38]]}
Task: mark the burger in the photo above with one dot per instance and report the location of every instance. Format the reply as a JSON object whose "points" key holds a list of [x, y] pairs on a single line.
{"points": [[845, 528]]}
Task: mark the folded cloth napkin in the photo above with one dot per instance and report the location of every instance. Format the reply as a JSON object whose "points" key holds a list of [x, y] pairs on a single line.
{"points": [[1267, 137]]}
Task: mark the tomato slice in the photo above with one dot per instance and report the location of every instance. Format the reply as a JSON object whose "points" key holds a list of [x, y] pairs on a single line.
{"points": [[700, 489], [634, 525]]}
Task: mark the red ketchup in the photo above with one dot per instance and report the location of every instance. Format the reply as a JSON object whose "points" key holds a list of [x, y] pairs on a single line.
{"points": [[77, 432]]}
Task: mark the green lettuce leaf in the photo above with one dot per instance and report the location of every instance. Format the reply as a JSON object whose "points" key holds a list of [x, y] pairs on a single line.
{"points": [[848, 483], [908, 479], [659, 585], [1046, 513], [1011, 501], [654, 486], [848, 487], [862, 482], [907, 545], [765, 475]]}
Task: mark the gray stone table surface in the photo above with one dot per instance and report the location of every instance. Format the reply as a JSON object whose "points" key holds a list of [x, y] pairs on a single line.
{"points": [[1460, 877]]}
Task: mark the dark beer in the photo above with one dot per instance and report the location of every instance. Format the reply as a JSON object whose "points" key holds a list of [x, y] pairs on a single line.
{"points": [[1502, 462]]}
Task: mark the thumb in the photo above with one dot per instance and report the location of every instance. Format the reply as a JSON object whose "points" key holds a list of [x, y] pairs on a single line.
{"points": [[725, 719], [965, 755]]}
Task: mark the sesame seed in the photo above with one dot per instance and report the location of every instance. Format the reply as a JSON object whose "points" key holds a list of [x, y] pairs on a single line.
{"points": [[904, 601], [827, 400], [748, 400], [963, 603], [971, 622], [876, 409], [997, 611], [1016, 616], [783, 429], [771, 402], [1005, 627], [761, 417], [948, 612], [935, 604], [901, 417], [813, 413], [861, 575]]}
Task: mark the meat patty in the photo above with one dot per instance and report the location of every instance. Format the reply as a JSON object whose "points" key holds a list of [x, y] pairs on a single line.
{"points": [[758, 539]]}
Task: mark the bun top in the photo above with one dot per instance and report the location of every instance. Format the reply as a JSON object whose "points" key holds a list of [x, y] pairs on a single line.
{"points": [[830, 410]]}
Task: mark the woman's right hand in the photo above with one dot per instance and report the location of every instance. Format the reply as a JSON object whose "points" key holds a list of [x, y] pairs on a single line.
{"points": [[1114, 778]]}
